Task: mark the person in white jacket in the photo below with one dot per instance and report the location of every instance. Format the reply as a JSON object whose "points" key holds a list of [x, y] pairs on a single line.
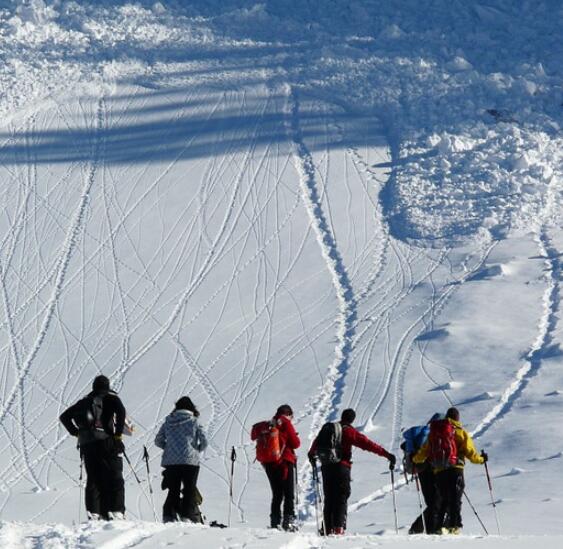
{"points": [[182, 438]]}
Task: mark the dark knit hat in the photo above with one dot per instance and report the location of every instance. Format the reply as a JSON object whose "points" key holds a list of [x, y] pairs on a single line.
{"points": [[348, 416], [453, 413], [100, 383]]}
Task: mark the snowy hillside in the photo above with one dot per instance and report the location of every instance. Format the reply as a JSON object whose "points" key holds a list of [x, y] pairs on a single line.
{"points": [[326, 203]]}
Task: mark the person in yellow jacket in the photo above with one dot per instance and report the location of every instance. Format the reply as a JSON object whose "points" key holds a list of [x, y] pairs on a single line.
{"points": [[449, 480]]}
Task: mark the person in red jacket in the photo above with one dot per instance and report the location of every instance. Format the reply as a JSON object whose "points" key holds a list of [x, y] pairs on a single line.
{"points": [[336, 474], [282, 474]]}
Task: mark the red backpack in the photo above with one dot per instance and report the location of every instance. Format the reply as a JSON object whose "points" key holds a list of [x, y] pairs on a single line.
{"points": [[268, 445], [442, 447]]}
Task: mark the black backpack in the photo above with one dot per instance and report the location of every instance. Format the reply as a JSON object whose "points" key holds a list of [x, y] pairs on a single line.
{"points": [[329, 443], [88, 415]]}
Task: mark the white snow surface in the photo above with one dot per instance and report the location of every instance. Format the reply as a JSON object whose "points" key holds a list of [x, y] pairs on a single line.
{"points": [[326, 203]]}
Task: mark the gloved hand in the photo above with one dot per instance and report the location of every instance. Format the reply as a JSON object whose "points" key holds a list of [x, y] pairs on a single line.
{"points": [[392, 460], [312, 459], [485, 456], [118, 445]]}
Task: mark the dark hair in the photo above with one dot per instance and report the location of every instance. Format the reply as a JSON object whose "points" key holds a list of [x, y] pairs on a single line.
{"points": [[453, 413], [348, 416], [284, 410], [185, 403], [100, 383]]}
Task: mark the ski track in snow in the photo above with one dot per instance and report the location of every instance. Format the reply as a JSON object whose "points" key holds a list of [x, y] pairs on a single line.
{"points": [[324, 405]]}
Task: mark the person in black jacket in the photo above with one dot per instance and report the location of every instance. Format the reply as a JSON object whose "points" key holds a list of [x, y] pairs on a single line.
{"points": [[337, 474], [98, 421]]}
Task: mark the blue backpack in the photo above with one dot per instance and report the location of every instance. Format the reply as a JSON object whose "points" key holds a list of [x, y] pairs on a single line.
{"points": [[413, 439]]}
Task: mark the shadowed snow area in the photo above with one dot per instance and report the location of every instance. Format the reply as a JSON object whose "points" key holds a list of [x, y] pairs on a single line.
{"points": [[331, 204]]}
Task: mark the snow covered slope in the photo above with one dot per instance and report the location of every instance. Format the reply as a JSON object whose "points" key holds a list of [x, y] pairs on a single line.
{"points": [[329, 204]]}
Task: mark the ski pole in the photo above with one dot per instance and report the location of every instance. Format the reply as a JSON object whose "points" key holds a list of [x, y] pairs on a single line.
{"points": [[491, 492], [417, 481], [233, 459], [475, 511], [131, 466], [392, 469], [146, 457]]}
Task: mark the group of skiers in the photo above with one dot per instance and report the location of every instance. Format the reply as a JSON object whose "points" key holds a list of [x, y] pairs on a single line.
{"points": [[99, 421], [435, 454], [276, 442]]}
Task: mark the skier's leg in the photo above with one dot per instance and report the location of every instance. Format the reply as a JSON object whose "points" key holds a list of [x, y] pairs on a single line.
{"points": [[428, 488], [289, 522], [189, 509], [440, 501], [173, 481], [330, 483], [274, 474], [458, 486], [342, 495], [92, 493]]}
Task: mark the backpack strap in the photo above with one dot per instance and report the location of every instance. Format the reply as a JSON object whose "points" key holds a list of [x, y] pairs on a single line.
{"points": [[282, 448], [338, 434]]}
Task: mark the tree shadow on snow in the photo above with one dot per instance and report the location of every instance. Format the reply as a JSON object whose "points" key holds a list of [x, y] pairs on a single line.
{"points": [[227, 106]]}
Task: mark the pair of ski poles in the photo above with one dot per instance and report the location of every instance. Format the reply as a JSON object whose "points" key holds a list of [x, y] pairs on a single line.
{"points": [[490, 485], [146, 460]]}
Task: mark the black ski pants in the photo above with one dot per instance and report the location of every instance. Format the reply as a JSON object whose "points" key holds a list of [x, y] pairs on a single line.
{"points": [[180, 503], [336, 488], [428, 489], [282, 483], [105, 488], [450, 485]]}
